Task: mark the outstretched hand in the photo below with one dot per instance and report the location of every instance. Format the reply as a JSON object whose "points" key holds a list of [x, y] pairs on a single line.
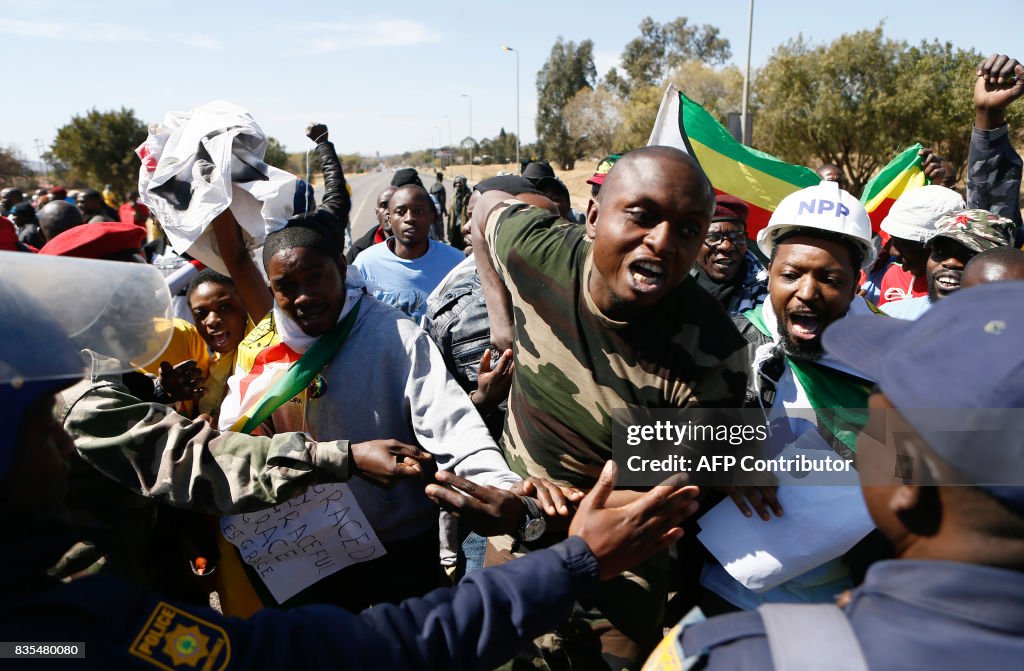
{"points": [[493, 384], [621, 538], [182, 382], [488, 511], [317, 132], [555, 500], [763, 498], [386, 462], [1000, 82]]}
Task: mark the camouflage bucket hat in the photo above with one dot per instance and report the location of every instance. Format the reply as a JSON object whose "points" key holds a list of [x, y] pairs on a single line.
{"points": [[976, 230]]}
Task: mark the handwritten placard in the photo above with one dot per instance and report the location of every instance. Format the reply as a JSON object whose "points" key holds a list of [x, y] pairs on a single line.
{"points": [[306, 539]]}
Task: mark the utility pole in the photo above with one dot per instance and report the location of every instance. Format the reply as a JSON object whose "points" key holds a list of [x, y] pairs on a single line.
{"points": [[519, 166], [438, 129], [39, 151], [744, 133], [471, 143], [451, 156]]}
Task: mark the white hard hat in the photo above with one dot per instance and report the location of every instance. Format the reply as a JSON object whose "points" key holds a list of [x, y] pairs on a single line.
{"points": [[825, 207], [914, 214]]}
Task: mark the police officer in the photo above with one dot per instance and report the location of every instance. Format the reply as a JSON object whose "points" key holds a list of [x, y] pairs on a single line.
{"points": [[954, 596]]}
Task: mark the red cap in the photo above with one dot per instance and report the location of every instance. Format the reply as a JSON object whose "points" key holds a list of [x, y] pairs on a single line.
{"points": [[96, 241], [730, 208]]}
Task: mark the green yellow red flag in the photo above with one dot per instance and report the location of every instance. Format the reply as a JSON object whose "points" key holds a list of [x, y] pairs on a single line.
{"points": [[902, 174], [760, 179]]}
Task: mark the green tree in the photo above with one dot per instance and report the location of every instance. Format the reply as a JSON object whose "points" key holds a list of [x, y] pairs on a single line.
{"points": [[469, 148], [569, 68], [13, 168], [352, 163], [718, 90], [593, 117], [859, 100], [504, 147], [649, 59], [276, 155], [941, 80], [638, 114], [498, 149], [489, 150], [99, 148]]}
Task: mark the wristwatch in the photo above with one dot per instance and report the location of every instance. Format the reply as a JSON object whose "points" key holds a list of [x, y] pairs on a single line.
{"points": [[534, 525]]}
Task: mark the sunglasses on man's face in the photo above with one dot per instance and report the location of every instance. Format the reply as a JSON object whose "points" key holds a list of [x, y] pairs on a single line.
{"points": [[737, 238]]}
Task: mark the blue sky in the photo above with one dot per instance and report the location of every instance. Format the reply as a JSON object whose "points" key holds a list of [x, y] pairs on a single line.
{"points": [[386, 76]]}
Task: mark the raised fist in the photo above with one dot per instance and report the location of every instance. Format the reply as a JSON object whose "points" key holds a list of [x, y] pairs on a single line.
{"points": [[317, 132]]}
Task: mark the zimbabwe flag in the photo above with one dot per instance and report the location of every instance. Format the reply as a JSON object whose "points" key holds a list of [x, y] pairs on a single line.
{"points": [[902, 174], [760, 179], [757, 178]]}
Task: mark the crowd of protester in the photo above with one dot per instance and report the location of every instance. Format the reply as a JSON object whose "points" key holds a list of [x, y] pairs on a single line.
{"points": [[441, 399]]}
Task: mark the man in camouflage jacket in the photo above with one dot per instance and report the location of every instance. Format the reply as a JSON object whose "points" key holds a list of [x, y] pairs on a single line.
{"points": [[606, 317]]}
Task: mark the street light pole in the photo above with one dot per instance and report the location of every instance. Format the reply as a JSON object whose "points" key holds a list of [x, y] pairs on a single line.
{"points": [[519, 166], [470, 98], [451, 157], [42, 163], [438, 129], [744, 134]]}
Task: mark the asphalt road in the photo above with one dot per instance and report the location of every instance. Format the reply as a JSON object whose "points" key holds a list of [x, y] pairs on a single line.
{"points": [[365, 189]]}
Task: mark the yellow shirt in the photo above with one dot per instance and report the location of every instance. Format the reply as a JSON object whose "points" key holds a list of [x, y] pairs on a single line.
{"points": [[185, 344], [221, 367]]}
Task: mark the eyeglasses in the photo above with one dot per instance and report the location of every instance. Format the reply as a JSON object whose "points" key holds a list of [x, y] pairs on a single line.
{"points": [[737, 238]]}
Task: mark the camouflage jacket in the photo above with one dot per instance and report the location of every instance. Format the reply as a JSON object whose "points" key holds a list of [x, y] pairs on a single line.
{"points": [[155, 452], [575, 366], [132, 454]]}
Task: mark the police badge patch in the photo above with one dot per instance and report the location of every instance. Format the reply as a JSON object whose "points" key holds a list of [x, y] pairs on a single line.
{"points": [[173, 639]]}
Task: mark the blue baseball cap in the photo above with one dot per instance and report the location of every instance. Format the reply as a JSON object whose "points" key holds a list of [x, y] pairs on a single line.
{"points": [[965, 355]]}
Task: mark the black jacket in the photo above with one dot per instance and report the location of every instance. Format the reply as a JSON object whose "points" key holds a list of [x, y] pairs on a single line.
{"points": [[332, 214]]}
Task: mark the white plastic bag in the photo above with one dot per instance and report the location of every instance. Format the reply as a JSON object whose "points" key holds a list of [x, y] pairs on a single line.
{"points": [[196, 164]]}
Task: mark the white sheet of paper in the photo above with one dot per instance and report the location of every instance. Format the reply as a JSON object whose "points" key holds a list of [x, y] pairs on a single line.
{"points": [[304, 540], [819, 523]]}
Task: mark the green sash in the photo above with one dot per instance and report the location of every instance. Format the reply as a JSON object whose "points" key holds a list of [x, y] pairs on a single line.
{"points": [[839, 400], [302, 372]]}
